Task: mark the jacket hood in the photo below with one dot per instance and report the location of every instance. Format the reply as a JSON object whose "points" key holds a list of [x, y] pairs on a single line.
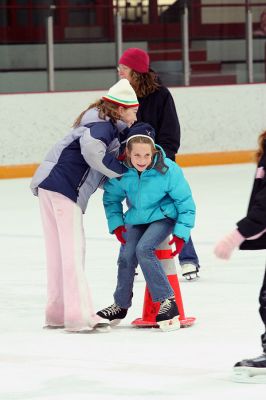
{"points": [[161, 150], [90, 116]]}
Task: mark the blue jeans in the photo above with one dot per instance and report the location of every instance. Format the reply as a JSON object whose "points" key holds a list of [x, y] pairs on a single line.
{"points": [[141, 243], [188, 254]]}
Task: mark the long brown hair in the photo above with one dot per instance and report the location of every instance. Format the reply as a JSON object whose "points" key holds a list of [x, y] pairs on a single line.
{"points": [[260, 151], [106, 109], [144, 83]]}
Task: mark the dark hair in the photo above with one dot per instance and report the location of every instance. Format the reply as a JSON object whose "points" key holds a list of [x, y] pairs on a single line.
{"points": [[106, 109], [144, 83], [260, 151]]}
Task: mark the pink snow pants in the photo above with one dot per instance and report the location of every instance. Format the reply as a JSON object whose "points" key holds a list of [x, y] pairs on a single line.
{"points": [[69, 301]]}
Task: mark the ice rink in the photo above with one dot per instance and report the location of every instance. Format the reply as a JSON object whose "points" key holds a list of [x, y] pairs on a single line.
{"points": [[131, 363]]}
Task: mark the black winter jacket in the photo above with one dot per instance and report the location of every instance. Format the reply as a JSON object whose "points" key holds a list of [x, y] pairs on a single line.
{"points": [[158, 109], [255, 221]]}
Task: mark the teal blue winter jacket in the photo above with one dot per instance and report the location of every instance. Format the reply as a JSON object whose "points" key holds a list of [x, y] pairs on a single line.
{"points": [[151, 196]]}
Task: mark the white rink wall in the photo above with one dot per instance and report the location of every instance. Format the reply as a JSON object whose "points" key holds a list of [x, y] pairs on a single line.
{"points": [[212, 119]]}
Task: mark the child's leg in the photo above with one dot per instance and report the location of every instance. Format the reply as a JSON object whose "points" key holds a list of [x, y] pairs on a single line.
{"points": [[262, 310], [54, 315], [126, 266], [153, 272], [78, 305]]}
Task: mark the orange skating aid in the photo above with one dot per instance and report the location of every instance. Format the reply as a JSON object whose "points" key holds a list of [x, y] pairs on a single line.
{"points": [[151, 309]]}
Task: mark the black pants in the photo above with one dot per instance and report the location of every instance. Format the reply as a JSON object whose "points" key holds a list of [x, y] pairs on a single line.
{"points": [[262, 310]]}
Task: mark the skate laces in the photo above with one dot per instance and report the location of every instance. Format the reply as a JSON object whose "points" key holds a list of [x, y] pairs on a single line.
{"points": [[165, 306], [112, 310]]}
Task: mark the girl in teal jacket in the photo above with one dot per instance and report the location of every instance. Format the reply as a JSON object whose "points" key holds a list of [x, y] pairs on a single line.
{"points": [[160, 203]]}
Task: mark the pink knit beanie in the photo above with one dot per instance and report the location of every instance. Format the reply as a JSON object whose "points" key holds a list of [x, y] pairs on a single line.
{"points": [[136, 59]]}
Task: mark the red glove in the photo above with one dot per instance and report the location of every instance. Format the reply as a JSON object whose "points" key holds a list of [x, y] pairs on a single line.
{"points": [[119, 234], [179, 243]]}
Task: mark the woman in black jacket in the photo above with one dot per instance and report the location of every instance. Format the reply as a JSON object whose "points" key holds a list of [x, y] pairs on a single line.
{"points": [[157, 107], [251, 235]]}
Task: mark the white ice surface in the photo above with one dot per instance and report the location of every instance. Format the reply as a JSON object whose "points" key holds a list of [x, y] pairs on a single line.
{"points": [[131, 363]]}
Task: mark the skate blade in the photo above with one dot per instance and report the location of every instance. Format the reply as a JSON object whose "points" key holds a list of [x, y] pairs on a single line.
{"points": [[102, 327], [86, 329], [191, 276], [249, 375], [53, 327], [169, 325], [115, 322]]}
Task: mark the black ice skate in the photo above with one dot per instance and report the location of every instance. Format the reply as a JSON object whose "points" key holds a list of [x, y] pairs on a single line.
{"points": [[190, 271], [251, 370], [113, 313], [167, 317]]}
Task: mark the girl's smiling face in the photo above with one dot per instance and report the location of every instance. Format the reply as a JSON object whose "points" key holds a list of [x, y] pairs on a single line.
{"points": [[141, 156]]}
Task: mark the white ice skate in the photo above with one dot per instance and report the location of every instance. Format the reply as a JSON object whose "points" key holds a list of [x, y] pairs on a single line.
{"points": [[190, 271]]}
